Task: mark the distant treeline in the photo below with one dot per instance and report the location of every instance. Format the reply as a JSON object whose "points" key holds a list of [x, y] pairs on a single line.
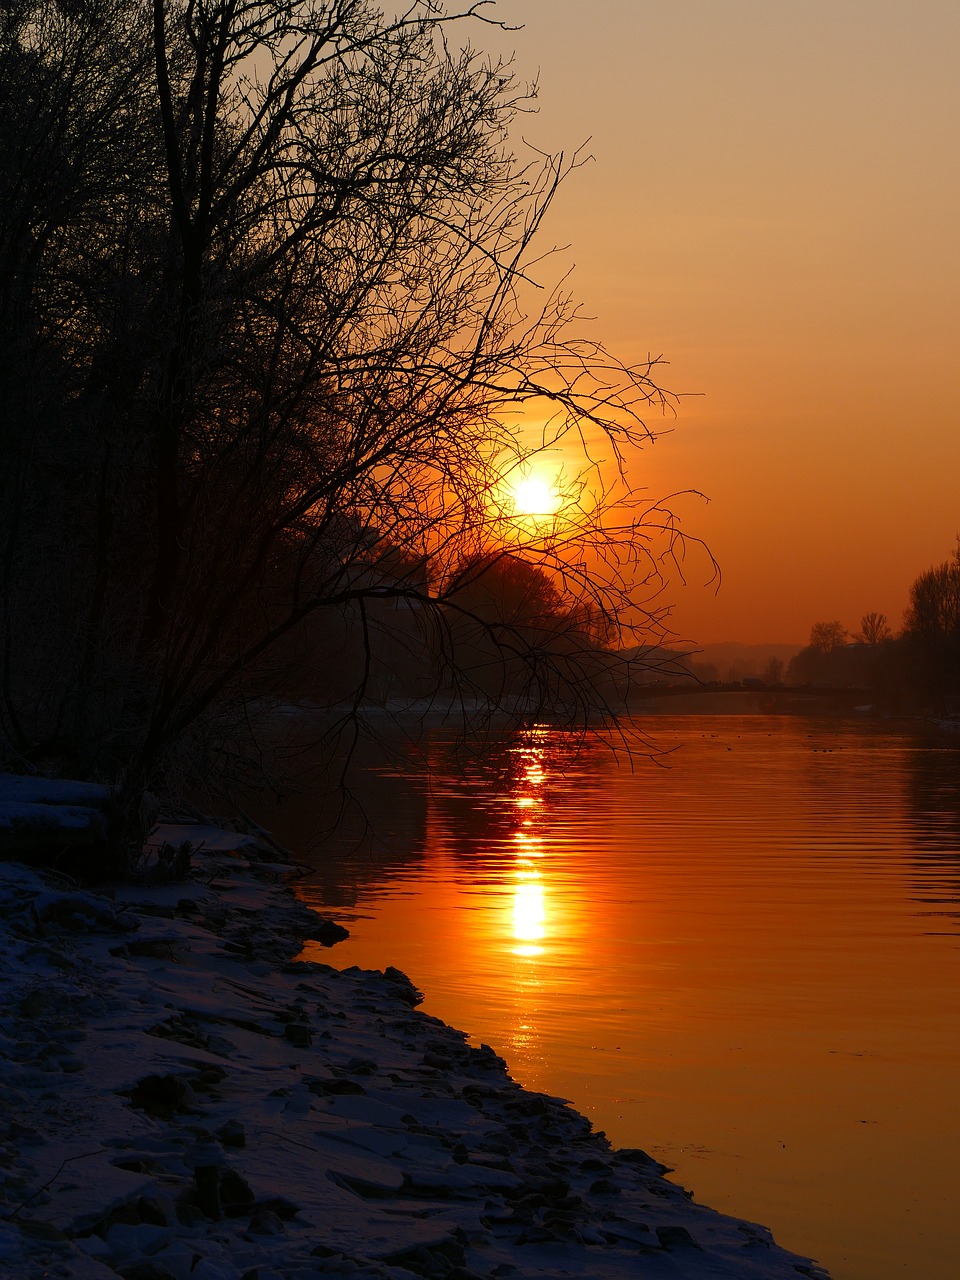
{"points": [[917, 668]]}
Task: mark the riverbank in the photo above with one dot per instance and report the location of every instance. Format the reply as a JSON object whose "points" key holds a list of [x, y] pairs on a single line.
{"points": [[183, 1099]]}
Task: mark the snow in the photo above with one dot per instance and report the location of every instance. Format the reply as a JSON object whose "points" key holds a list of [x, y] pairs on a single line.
{"points": [[22, 788], [183, 1100], [202, 835], [38, 812]]}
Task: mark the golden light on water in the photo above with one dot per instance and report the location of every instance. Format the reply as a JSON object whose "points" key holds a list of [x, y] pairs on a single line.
{"points": [[616, 937], [533, 773], [529, 914], [528, 844]]}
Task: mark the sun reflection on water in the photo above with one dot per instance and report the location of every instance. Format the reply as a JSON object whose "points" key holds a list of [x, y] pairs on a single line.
{"points": [[528, 922], [529, 914]]}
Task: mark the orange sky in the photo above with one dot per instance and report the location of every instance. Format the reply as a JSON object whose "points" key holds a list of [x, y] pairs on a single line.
{"points": [[773, 205]]}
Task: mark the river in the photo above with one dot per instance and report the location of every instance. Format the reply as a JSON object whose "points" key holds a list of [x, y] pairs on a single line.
{"points": [[741, 952]]}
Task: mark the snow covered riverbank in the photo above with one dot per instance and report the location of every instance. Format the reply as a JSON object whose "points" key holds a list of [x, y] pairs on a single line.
{"points": [[182, 1100]]}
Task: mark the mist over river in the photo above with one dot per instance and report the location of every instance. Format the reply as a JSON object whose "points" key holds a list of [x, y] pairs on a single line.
{"points": [[742, 955]]}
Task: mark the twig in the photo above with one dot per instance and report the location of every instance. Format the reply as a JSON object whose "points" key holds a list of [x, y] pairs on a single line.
{"points": [[85, 1155]]}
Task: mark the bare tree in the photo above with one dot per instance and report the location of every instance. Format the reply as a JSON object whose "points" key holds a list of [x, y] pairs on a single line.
{"points": [[300, 342], [931, 627], [823, 661], [75, 200], [874, 629], [826, 636], [773, 671]]}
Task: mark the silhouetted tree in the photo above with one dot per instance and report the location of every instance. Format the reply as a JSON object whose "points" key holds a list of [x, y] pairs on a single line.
{"points": [[826, 636], [831, 660], [271, 266], [823, 660], [874, 629], [931, 627], [508, 629], [773, 671], [80, 193]]}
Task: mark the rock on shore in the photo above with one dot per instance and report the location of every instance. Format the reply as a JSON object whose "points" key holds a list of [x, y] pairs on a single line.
{"points": [[181, 1100]]}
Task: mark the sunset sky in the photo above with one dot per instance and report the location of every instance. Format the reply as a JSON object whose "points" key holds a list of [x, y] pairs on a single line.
{"points": [[773, 205]]}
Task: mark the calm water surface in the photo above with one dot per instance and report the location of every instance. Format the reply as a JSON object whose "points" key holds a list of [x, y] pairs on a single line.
{"points": [[745, 959]]}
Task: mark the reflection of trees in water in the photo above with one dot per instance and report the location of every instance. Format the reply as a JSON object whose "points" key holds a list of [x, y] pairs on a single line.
{"points": [[858, 770], [887, 759], [481, 801], [489, 805], [932, 790], [355, 812]]}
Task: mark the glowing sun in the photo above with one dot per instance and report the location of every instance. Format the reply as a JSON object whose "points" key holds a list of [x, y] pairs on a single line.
{"points": [[532, 495]]}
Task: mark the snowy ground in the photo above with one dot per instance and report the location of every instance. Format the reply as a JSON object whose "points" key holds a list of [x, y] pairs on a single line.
{"points": [[181, 1100]]}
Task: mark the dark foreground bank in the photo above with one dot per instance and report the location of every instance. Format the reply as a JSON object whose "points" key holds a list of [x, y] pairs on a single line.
{"points": [[183, 1100]]}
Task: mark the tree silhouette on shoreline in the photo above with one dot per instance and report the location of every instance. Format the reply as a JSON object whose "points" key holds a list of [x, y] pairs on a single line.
{"points": [[268, 316]]}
